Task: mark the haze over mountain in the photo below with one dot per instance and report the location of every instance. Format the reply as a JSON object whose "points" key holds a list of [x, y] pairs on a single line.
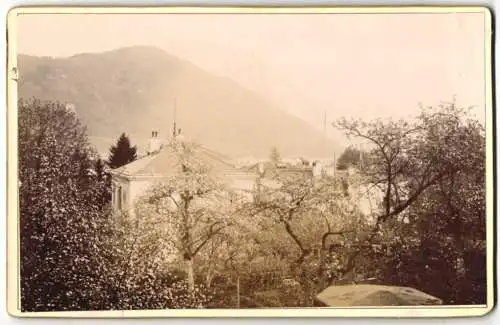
{"points": [[250, 70], [134, 89]]}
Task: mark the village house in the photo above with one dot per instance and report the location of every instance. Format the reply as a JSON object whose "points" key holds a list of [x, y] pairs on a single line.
{"points": [[130, 181]]}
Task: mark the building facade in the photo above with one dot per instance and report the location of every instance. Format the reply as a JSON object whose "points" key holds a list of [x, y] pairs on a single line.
{"points": [[131, 181]]}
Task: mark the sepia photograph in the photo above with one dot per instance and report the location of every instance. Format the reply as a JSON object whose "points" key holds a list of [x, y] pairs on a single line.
{"points": [[250, 162]]}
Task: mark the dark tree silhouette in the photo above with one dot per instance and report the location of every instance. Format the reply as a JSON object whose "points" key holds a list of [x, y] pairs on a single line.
{"points": [[99, 169], [122, 153], [350, 157]]}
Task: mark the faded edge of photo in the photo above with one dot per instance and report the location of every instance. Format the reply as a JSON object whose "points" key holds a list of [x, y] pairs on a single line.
{"points": [[13, 245]]}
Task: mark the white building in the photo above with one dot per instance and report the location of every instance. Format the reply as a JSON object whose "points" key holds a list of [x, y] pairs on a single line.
{"points": [[130, 181]]}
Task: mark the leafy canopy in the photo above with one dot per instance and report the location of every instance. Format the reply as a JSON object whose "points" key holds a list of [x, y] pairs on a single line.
{"points": [[61, 204]]}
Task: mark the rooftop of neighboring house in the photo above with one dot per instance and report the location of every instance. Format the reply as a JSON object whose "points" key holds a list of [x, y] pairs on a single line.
{"points": [[269, 169], [163, 160]]}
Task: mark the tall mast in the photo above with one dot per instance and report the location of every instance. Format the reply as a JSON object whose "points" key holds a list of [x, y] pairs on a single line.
{"points": [[174, 131], [324, 133]]}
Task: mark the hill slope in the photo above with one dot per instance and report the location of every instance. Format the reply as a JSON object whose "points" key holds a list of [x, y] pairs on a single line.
{"points": [[132, 90]]}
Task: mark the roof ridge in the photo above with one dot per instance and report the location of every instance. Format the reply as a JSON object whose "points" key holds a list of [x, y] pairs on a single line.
{"points": [[157, 153], [216, 155], [152, 163], [124, 167]]}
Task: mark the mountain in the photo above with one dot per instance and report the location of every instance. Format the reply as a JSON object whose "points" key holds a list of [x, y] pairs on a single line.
{"points": [[135, 89], [246, 66]]}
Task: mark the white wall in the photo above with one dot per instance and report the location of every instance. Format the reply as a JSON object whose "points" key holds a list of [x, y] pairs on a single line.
{"points": [[138, 188], [368, 197], [132, 189], [317, 169], [135, 188]]}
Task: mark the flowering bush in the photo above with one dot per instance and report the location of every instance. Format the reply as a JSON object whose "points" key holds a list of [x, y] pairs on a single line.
{"points": [[178, 296], [62, 196]]}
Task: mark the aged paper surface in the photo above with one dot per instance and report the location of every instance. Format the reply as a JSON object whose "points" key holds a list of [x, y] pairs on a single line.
{"points": [[259, 104]]}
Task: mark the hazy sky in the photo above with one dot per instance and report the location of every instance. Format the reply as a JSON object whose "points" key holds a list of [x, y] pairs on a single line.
{"points": [[345, 64]]}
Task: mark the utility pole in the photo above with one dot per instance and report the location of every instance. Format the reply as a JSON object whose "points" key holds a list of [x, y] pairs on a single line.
{"points": [[324, 125], [174, 131], [325, 138]]}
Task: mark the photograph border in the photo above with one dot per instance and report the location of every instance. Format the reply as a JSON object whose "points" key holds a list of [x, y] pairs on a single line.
{"points": [[13, 268]]}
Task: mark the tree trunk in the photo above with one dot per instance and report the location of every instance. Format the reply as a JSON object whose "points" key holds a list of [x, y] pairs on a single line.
{"points": [[190, 274], [322, 267], [208, 279]]}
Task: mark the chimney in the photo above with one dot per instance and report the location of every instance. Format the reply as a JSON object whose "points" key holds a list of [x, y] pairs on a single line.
{"points": [[154, 144]]}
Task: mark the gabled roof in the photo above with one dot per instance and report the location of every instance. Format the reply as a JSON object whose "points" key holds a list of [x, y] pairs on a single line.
{"points": [[165, 162]]}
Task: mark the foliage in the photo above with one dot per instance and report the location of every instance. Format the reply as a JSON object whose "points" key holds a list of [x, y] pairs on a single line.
{"points": [[414, 216], [122, 152], [135, 268], [60, 208], [351, 157], [104, 179], [450, 216], [431, 171], [300, 220], [194, 205]]}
